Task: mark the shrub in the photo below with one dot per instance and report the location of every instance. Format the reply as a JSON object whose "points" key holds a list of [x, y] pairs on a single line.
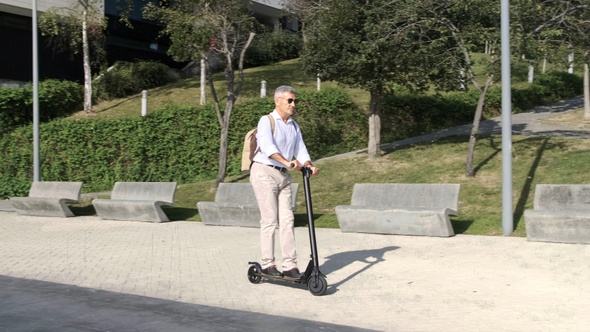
{"points": [[330, 122], [181, 143], [405, 115], [56, 99], [15, 108], [271, 47], [561, 85], [59, 98], [548, 88], [177, 143], [128, 78]]}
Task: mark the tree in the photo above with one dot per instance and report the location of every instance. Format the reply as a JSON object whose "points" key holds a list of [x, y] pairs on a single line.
{"points": [[81, 26], [556, 24], [462, 26], [579, 27], [469, 23], [306, 11], [537, 27], [189, 33], [199, 29], [372, 46]]}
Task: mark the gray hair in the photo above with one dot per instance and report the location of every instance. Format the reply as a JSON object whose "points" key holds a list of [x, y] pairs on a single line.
{"points": [[284, 88]]}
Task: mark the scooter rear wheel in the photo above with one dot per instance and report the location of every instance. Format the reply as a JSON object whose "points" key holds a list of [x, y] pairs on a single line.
{"points": [[254, 275], [317, 285]]}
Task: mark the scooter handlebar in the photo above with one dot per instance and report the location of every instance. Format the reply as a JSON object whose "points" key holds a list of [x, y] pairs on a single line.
{"points": [[305, 170]]}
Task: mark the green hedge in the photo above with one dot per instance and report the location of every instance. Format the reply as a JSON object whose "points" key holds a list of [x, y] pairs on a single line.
{"points": [[174, 144], [181, 144], [128, 78], [405, 115], [56, 99], [547, 88], [272, 47]]}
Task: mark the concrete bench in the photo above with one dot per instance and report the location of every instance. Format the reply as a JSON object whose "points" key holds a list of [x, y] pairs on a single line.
{"points": [[5, 205], [48, 199], [139, 201], [398, 208], [561, 213], [235, 205]]}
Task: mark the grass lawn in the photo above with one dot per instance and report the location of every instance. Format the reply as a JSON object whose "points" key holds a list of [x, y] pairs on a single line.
{"points": [[187, 91], [535, 160]]}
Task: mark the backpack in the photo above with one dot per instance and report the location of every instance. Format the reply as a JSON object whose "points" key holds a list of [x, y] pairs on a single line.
{"points": [[251, 148]]}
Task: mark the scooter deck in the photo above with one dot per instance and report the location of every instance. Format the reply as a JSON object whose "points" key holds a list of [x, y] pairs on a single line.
{"points": [[286, 278]]}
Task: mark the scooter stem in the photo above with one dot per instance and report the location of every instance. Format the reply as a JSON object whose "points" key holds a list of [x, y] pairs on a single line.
{"points": [[312, 240]]}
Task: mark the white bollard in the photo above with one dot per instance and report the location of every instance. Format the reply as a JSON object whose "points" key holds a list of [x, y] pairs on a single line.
{"points": [[144, 102], [319, 82], [262, 89]]}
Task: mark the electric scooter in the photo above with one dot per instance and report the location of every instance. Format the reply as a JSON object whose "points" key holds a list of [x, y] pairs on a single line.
{"points": [[314, 279]]}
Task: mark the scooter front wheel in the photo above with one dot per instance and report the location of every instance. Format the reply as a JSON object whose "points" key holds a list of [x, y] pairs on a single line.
{"points": [[254, 275], [317, 285]]}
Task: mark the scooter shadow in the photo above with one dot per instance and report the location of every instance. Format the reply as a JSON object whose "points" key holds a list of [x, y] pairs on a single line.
{"points": [[340, 260]]}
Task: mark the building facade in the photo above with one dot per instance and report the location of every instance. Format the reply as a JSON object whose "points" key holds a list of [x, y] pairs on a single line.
{"points": [[123, 43]]}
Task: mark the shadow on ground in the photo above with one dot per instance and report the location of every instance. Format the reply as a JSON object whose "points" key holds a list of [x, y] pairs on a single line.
{"points": [[340, 260]]}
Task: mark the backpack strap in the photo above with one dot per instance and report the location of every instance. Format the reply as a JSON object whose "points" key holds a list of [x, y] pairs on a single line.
{"points": [[272, 130], [272, 123]]}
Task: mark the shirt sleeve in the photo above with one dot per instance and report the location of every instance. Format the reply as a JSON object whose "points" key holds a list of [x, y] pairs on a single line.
{"points": [[301, 153]]}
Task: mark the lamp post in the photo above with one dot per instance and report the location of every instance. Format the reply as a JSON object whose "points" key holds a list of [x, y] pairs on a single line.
{"points": [[36, 159], [507, 222]]}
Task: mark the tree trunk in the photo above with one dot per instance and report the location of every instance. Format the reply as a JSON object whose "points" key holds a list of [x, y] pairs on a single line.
{"points": [[469, 171], [374, 149], [87, 70], [586, 90], [223, 144], [232, 97], [225, 125]]}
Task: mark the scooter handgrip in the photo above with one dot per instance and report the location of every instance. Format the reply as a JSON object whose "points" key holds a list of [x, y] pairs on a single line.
{"points": [[306, 170]]}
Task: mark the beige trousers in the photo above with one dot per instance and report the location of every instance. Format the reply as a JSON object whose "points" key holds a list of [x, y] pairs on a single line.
{"points": [[272, 189]]}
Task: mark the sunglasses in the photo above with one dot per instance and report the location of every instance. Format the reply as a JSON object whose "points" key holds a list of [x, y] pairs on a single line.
{"points": [[290, 100]]}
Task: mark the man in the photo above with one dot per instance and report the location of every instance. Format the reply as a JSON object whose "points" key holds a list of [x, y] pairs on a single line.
{"points": [[279, 152]]}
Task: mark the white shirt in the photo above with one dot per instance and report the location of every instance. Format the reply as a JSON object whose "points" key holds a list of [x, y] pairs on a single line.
{"points": [[287, 141]]}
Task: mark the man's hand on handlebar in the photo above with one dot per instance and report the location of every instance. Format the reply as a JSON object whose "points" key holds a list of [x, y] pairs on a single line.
{"points": [[295, 165], [314, 170]]}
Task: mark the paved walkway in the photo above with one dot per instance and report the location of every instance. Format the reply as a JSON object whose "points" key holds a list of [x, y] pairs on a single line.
{"points": [[87, 274], [178, 273]]}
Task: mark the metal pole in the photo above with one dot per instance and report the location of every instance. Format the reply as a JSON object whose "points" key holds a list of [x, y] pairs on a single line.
{"points": [[507, 222], [36, 158]]}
